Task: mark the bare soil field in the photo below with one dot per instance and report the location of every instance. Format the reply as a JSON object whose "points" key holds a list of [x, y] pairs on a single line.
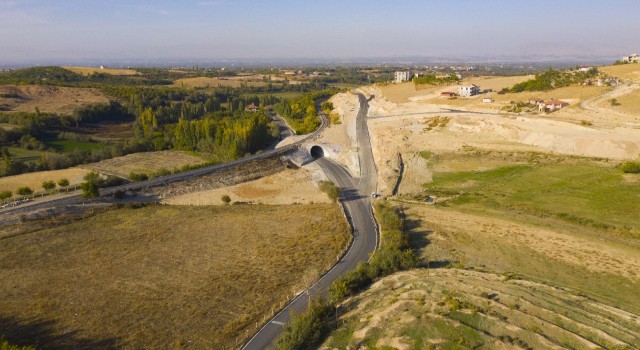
{"points": [[145, 162], [203, 82], [286, 187], [35, 180], [162, 276], [109, 131], [52, 99], [461, 309], [92, 70]]}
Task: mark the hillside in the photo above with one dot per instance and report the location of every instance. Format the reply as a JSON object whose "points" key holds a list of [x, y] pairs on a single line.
{"points": [[460, 309]]}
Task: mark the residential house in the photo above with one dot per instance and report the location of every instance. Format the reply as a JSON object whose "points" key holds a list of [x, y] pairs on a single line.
{"points": [[551, 106], [468, 90], [633, 58], [584, 69], [402, 75], [251, 108]]}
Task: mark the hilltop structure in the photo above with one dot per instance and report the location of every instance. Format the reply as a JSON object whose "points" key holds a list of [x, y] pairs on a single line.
{"points": [[633, 58]]}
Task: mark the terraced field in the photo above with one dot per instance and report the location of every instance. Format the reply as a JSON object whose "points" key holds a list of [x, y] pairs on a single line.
{"points": [[454, 309]]}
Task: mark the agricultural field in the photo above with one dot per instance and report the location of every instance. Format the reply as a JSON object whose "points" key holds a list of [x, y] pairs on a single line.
{"points": [[145, 162], [93, 70], [48, 99], [70, 146], [162, 276], [35, 180], [204, 82], [627, 103], [464, 309]]}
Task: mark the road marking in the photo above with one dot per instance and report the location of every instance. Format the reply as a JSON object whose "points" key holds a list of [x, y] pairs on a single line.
{"points": [[278, 323]]}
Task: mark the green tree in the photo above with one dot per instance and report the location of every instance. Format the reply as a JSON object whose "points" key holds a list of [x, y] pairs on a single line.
{"points": [[138, 176], [225, 199], [614, 102], [5, 195], [24, 191], [63, 182], [48, 185], [91, 185]]}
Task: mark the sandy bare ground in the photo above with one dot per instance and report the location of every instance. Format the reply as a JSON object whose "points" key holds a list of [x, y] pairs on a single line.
{"points": [[52, 99], [287, 187], [407, 128], [35, 180]]}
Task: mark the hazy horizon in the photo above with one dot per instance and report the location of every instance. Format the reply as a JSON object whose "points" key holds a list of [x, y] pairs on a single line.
{"points": [[37, 31]]}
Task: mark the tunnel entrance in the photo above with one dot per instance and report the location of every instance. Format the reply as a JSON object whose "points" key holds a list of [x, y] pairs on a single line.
{"points": [[317, 152]]}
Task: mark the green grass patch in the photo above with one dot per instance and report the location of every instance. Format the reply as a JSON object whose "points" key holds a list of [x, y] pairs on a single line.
{"points": [[70, 146], [578, 193], [24, 155]]}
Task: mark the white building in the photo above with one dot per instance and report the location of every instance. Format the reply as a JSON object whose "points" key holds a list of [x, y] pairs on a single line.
{"points": [[468, 90], [633, 58], [402, 75]]}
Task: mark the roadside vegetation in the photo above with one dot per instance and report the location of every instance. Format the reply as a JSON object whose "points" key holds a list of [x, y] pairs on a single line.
{"points": [[308, 329], [153, 280]]}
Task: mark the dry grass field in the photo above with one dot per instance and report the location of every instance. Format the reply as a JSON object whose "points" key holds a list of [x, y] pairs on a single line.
{"points": [[462, 309], [162, 276], [204, 82], [629, 72], [401, 93], [628, 103], [52, 99], [35, 180], [92, 70], [286, 187], [145, 162]]}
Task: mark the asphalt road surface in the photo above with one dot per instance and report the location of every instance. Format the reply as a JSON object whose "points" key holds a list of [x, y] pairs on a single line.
{"points": [[355, 197]]}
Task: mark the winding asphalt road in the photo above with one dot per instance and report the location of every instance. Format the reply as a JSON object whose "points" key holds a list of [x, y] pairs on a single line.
{"points": [[355, 197]]}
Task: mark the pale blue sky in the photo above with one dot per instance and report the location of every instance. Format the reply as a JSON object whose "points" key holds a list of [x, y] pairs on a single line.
{"points": [[145, 29]]}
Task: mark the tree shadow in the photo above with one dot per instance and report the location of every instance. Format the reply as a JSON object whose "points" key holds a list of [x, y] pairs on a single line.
{"points": [[349, 194], [42, 334], [419, 240]]}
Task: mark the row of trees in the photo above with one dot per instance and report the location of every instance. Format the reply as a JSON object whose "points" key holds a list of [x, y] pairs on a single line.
{"points": [[553, 79], [26, 190]]}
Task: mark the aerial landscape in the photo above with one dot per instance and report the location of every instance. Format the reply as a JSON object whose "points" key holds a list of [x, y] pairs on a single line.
{"points": [[217, 174]]}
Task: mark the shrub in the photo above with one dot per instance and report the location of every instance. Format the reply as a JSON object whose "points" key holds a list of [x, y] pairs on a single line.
{"points": [[5, 194], [307, 330], [225, 199], [48, 185], [24, 191], [138, 176], [63, 182], [332, 191], [630, 167]]}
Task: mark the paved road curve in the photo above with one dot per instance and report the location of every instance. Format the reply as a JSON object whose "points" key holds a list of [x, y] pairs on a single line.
{"points": [[355, 197]]}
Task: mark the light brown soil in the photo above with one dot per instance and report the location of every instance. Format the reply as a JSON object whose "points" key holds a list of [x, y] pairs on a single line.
{"points": [[52, 99]]}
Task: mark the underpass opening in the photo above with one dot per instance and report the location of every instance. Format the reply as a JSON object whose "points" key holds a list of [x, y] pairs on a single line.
{"points": [[317, 152]]}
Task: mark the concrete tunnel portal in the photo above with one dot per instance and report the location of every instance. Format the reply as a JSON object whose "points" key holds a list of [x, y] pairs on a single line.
{"points": [[317, 152]]}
